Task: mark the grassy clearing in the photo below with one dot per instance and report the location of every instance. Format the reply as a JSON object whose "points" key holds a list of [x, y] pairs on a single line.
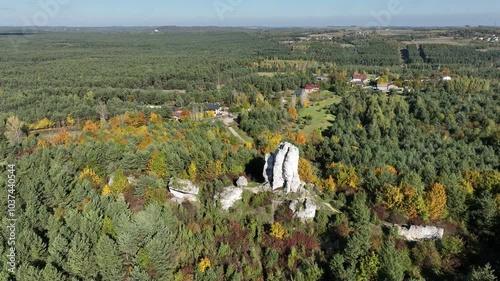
{"points": [[320, 118]]}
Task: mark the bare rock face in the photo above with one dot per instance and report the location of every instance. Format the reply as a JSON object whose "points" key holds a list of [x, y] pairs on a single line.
{"points": [[304, 209], [183, 190], [229, 196], [242, 182], [281, 168], [416, 233]]}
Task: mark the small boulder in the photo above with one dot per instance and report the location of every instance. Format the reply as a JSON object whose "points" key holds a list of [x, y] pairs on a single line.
{"points": [[416, 233], [183, 190], [228, 196], [242, 182], [305, 209]]}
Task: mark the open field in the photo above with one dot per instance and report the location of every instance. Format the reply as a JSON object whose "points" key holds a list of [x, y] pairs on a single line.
{"points": [[440, 40], [320, 118]]}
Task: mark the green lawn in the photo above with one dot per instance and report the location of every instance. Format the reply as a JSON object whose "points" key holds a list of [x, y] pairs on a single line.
{"points": [[320, 118]]}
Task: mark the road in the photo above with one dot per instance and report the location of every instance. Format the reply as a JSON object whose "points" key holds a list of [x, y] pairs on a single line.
{"points": [[228, 121]]}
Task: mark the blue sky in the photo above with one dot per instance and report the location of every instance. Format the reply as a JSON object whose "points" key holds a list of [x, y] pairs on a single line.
{"points": [[249, 12]]}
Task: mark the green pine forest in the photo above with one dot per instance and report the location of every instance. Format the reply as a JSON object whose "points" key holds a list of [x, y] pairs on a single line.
{"points": [[81, 107]]}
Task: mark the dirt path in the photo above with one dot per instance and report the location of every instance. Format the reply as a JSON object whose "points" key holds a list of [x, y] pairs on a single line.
{"points": [[228, 121]]}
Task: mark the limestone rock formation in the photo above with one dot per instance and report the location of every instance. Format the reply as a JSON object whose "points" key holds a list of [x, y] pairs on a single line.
{"points": [[305, 209], [229, 196], [416, 233], [281, 168], [242, 182], [183, 190]]}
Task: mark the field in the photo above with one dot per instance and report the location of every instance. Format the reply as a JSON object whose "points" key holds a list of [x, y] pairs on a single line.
{"points": [[320, 118]]}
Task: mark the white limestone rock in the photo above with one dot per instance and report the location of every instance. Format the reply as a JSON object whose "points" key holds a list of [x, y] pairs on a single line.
{"points": [[416, 233], [281, 168], [304, 209], [183, 190], [229, 196], [242, 182]]}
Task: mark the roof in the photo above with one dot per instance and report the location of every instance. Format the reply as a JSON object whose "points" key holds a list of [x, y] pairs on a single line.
{"points": [[299, 92], [361, 77], [311, 87], [213, 106]]}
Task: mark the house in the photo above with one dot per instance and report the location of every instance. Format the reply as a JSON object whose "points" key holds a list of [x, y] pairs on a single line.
{"points": [[176, 114], [215, 107], [359, 79], [387, 87], [446, 78], [311, 88]]}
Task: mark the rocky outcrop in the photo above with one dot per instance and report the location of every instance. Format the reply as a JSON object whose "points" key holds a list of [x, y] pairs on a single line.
{"points": [[242, 182], [416, 233], [228, 196], [281, 168], [304, 209], [183, 190]]}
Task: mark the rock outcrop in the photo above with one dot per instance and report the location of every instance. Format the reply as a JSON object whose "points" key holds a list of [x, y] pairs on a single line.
{"points": [[242, 182], [281, 168], [304, 209], [416, 233], [228, 196], [183, 190]]}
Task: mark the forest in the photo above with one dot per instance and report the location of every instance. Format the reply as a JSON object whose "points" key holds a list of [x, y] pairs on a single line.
{"points": [[90, 141]]}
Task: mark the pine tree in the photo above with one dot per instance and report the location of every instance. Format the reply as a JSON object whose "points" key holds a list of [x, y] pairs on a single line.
{"points": [[108, 259]]}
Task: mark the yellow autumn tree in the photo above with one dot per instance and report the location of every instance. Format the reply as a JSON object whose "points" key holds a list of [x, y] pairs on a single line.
{"points": [[305, 103], [192, 171], [393, 197], [204, 264], [154, 117], [89, 174], [435, 200], [106, 190], [305, 171], [277, 230], [45, 123], [329, 184], [157, 164], [346, 176], [70, 121], [42, 143]]}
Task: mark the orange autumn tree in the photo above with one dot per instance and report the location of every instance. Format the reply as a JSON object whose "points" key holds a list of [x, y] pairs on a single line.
{"points": [[62, 138], [300, 138], [435, 200], [90, 126], [293, 113]]}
